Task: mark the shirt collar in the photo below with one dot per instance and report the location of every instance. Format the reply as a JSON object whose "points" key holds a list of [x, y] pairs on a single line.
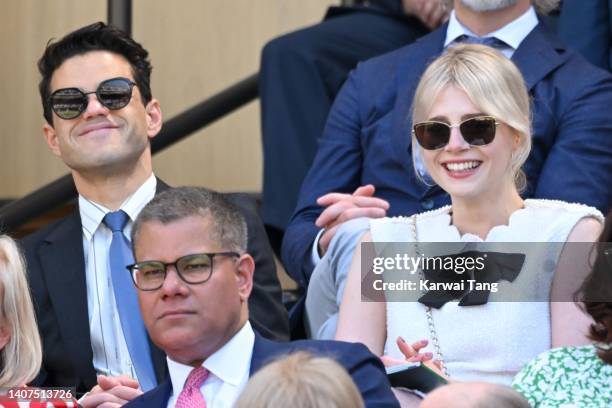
{"points": [[512, 33], [92, 213], [238, 351]]}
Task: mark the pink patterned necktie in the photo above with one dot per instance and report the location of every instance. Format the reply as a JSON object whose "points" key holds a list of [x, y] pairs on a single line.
{"points": [[191, 397]]}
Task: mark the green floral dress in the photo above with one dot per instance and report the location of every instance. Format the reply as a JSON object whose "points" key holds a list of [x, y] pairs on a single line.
{"points": [[566, 377]]}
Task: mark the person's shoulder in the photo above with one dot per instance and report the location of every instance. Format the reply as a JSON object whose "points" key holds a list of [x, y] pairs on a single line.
{"points": [[246, 202], [401, 228], [573, 69], [145, 402], [155, 398], [557, 208], [578, 68], [420, 217], [54, 229], [344, 352], [562, 359]]}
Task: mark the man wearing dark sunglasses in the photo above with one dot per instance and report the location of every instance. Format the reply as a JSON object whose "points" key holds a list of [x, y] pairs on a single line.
{"points": [[363, 165], [193, 296], [100, 116]]}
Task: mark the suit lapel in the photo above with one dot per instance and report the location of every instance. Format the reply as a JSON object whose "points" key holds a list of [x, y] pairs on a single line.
{"points": [[68, 293], [538, 55], [161, 186], [159, 361], [63, 265], [263, 351], [158, 396]]}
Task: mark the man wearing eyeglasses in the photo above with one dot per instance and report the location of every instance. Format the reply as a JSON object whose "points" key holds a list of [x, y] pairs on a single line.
{"points": [[100, 117], [363, 168], [193, 296]]}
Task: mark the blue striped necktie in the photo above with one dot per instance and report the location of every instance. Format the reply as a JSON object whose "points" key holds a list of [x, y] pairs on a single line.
{"points": [[135, 334], [490, 41]]}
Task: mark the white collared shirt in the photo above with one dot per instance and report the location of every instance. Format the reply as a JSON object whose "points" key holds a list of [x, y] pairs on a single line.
{"points": [[228, 368], [110, 353], [512, 33]]}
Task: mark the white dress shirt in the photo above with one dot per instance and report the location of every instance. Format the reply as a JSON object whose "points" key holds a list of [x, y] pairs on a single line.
{"points": [[228, 368], [512, 33], [110, 352]]}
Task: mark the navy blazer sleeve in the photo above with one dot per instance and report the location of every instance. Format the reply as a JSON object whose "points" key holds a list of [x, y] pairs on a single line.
{"points": [[366, 370], [581, 155], [586, 27], [336, 167]]}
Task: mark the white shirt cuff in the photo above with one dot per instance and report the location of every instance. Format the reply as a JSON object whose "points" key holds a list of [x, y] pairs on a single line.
{"points": [[314, 254]]}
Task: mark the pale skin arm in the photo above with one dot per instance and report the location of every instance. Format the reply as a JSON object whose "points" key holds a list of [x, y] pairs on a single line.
{"points": [[569, 324], [363, 322]]}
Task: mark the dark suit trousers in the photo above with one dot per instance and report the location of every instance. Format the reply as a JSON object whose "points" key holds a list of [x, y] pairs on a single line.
{"points": [[300, 75]]}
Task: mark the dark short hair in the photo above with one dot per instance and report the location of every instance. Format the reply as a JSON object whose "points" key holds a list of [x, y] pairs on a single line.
{"points": [[174, 204], [596, 293], [94, 37]]}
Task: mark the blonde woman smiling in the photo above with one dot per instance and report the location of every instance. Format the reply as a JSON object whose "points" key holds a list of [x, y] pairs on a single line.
{"points": [[471, 132]]}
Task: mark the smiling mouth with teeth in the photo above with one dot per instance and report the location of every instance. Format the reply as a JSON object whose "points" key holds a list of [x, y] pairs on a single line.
{"points": [[463, 166]]}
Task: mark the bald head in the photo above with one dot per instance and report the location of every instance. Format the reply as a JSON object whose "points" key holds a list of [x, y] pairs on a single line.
{"points": [[474, 395]]}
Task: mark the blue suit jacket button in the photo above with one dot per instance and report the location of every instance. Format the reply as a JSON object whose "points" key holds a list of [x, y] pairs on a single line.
{"points": [[427, 204]]}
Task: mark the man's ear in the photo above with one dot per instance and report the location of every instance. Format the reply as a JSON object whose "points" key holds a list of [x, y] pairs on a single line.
{"points": [[154, 118], [51, 139], [245, 267], [5, 333]]}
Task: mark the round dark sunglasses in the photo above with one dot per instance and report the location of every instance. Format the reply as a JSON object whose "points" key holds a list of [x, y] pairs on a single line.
{"points": [[114, 93], [477, 131]]}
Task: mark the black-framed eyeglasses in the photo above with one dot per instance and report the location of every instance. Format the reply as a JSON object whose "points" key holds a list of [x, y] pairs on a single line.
{"points": [[192, 269], [114, 93], [477, 131]]}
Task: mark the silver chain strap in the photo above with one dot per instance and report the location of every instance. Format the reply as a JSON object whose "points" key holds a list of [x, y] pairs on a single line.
{"points": [[430, 322]]}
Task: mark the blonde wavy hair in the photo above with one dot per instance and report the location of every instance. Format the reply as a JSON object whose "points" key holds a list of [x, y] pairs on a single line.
{"points": [[494, 85], [21, 358], [301, 380]]}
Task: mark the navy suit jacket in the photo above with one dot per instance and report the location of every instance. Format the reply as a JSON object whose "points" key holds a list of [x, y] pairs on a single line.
{"points": [[586, 26], [365, 369], [56, 272], [367, 136]]}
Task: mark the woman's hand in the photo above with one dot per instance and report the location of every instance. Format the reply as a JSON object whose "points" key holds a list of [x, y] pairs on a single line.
{"points": [[412, 353]]}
